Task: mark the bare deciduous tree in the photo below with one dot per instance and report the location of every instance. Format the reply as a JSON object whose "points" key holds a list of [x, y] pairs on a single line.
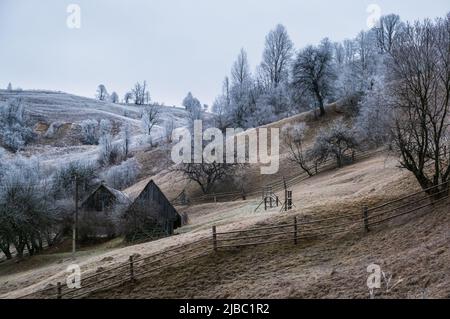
{"points": [[128, 96], [364, 65], [313, 74], [126, 139], [294, 136], [102, 93], [420, 87], [206, 175], [277, 56], [387, 31], [150, 118], [241, 85], [25, 213], [338, 141], [140, 93], [114, 97], [169, 127]]}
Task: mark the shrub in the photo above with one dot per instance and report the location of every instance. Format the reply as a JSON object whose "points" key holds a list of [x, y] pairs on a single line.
{"points": [[84, 171], [123, 175], [90, 132], [52, 129], [14, 131], [337, 141]]}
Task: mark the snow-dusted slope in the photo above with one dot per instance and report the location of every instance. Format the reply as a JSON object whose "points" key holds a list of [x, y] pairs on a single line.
{"points": [[52, 106], [46, 107]]}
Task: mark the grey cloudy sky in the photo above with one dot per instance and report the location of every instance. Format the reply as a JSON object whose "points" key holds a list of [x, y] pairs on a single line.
{"points": [[176, 45]]}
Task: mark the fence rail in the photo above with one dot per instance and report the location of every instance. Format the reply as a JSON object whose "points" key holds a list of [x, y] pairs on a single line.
{"points": [[359, 221], [278, 185], [294, 232]]}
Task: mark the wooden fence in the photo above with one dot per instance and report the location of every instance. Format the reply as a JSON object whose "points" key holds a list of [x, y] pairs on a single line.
{"points": [[136, 267], [278, 185], [294, 232], [366, 220]]}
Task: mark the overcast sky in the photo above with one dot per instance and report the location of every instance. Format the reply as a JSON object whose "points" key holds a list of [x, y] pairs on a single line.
{"points": [[176, 45]]}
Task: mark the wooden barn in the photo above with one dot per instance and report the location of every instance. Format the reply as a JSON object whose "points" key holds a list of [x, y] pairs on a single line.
{"points": [[100, 212], [151, 215]]}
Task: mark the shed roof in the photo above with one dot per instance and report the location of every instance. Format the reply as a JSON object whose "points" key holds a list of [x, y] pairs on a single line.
{"points": [[121, 197], [135, 190]]}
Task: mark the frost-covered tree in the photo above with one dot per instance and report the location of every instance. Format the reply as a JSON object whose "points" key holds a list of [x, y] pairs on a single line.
{"points": [[84, 171], [90, 131], [9, 88], [358, 72], [338, 54], [241, 90], [126, 139], [114, 97], [240, 73], [147, 97], [337, 141], [349, 51], [277, 56], [109, 153], [128, 96], [105, 127], [123, 175], [191, 103], [102, 93], [222, 106], [169, 127], [139, 93], [194, 108], [313, 73], [374, 121], [365, 64], [387, 31], [220, 109], [150, 118], [15, 132], [26, 217], [271, 104]]}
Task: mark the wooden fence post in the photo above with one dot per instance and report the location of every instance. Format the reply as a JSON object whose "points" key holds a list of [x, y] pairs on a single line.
{"points": [[285, 200], [58, 290], [265, 203], [215, 198], [289, 200], [131, 268], [214, 234], [366, 218], [295, 230]]}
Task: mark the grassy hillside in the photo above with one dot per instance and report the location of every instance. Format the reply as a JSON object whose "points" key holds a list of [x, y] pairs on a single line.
{"points": [[334, 267], [413, 251]]}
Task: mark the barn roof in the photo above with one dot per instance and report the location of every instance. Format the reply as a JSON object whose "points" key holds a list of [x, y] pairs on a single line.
{"points": [[121, 197], [136, 190]]}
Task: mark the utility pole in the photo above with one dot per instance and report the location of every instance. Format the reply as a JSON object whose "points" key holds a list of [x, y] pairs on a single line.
{"points": [[75, 221]]}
